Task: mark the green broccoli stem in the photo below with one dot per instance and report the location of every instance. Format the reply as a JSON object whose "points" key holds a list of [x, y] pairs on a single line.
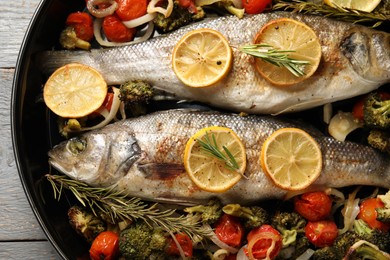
{"points": [[383, 214], [367, 251], [238, 211], [362, 228]]}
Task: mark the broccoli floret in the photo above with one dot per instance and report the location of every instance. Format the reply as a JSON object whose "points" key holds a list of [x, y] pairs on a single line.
{"points": [[179, 17], [135, 95], [374, 236], [365, 250], [383, 214], [325, 253], [290, 225], [380, 140], [376, 111], [70, 41], [140, 241], [85, 223], [228, 5], [301, 245], [209, 213], [253, 216]]}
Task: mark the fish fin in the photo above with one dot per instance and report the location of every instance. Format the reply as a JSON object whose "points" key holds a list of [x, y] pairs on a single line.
{"points": [[300, 106], [161, 171]]}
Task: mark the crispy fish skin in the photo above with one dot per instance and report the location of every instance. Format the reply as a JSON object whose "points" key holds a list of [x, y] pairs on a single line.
{"points": [[143, 157], [355, 60]]}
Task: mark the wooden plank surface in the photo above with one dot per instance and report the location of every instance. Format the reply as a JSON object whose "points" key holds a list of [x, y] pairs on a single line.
{"points": [[21, 237]]}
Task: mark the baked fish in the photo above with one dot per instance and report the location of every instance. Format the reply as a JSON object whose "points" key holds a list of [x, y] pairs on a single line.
{"points": [[355, 60], [143, 157]]}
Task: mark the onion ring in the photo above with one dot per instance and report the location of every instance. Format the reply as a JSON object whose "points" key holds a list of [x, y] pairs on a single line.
{"points": [[140, 20], [100, 13], [152, 8]]}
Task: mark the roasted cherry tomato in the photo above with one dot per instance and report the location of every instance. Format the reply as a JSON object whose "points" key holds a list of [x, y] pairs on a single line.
{"points": [[313, 206], [131, 9], [189, 4], [368, 213], [105, 246], [255, 6], [116, 31], [229, 230], [108, 101], [185, 243], [261, 238], [321, 233], [82, 24]]}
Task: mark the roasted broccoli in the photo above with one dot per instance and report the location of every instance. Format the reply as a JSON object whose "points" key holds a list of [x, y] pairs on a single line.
{"points": [[70, 41], [376, 111], [326, 253], [365, 250], [209, 213], [375, 236], [380, 140], [383, 214], [85, 223], [290, 225], [135, 95], [179, 17], [253, 216], [140, 241], [228, 5]]}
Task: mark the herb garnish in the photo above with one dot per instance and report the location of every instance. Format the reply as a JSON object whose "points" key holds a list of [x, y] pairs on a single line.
{"points": [[211, 147], [116, 206], [340, 13], [276, 57]]}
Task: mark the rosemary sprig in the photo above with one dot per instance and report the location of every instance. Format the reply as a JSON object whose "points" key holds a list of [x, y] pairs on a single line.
{"points": [[117, 206], [276, 57], [211, 147], [340, 13]]}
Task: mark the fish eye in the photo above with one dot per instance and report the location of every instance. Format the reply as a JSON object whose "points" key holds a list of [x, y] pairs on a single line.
{"points": [[76, 145]]}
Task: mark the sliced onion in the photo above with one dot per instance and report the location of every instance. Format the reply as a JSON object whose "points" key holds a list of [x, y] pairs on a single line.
{"points": [[306, 255], [152, 8], [263, 235], [220, 254], [97, 27], [140, 20], [241, 253], [110, 116], [342, 124], [100, 13], [327, 112], [350, 211]]}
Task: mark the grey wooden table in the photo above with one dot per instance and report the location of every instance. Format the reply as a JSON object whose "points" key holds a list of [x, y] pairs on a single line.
{"points": [[21, 237]]}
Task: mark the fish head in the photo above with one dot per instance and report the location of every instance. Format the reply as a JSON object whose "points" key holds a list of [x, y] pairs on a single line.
{"points": [[98, 158], [369, 54]]}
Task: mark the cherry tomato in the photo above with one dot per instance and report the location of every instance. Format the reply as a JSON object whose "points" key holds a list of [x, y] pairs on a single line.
{"points": [[255, 6], [321, 233], [82, 24], [116, 31], [189, 4], [108, 101], [105, 246], [261, 246], [368, 213], [131, 9], [229, 230], [185, 243], [313, 206]]}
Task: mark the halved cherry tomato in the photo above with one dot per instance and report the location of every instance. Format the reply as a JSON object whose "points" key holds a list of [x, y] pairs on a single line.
{"points": [[321, 233], [107, 103], [368, 213], [131, 9], [105, 246], [261, 246], [116, 31], [185, 243], [229, 230], [189, 4], [255, 6], [82, 24], [313, 206]]}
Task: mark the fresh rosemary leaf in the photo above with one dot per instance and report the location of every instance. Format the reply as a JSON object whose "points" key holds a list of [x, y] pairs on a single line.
{"points": [[116, 206], [276, 57], [212, 149]]}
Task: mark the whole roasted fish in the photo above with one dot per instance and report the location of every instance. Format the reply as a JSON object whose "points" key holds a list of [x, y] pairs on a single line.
{"points": [[355, 60], [143, 157]]}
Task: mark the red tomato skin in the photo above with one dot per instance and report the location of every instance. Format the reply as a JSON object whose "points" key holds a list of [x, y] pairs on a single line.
{"points": [[259, 249], [255, 6], [313, 206], [185, 243], [105, 246], [229, 230], [321, 233], [82, 24], [116, 31], [108, 101], [131, 9], [368, 213]]}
